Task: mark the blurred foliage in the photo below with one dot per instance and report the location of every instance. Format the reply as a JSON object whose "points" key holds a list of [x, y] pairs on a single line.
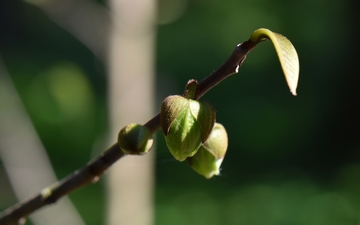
{"points": [[291, 160]]}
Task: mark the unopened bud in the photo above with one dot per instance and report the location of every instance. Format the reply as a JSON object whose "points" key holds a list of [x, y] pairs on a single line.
{"points": [[186, 124], [135, 139], [208, 159]]}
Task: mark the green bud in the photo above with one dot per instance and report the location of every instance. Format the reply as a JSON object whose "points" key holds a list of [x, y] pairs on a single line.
{"points": [[186, 124], [208, 159], [135, 139]]}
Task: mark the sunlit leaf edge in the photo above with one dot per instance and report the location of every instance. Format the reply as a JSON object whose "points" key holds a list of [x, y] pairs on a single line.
{"points": [[286, 52]]}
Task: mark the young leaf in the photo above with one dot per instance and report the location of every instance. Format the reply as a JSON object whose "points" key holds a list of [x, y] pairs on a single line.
{"points": [[286, 52]]}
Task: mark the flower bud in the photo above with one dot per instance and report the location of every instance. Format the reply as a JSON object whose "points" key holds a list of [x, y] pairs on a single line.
{"points": [[186, 124], [208, 159], [135, 139]]}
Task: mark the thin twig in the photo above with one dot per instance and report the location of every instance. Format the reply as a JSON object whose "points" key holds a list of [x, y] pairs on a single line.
{"points": [[228, 68], [88, 174], [91, 172]]}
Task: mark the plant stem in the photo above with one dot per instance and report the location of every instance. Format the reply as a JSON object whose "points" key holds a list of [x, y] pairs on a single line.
{"points": [[91, 172], [228, 68], [86, 175]]}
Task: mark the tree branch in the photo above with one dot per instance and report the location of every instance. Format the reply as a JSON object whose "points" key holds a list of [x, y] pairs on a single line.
{"points": [[228, 68], [91, 172], [88, 174]]}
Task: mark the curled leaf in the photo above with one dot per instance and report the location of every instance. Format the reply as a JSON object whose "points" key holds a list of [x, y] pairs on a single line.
{"points": [[286, 52]]}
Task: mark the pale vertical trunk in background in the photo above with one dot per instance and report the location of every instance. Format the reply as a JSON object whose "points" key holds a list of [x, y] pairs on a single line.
{"points": [[25, 159], [131, 84]]}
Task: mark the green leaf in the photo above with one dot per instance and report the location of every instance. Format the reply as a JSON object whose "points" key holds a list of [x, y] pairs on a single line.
{"points": [[184, 137], [207, 160], [286, 52], [186, 124]]}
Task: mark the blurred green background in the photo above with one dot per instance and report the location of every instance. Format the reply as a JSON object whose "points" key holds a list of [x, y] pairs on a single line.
{"points": [[291, 160]]}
